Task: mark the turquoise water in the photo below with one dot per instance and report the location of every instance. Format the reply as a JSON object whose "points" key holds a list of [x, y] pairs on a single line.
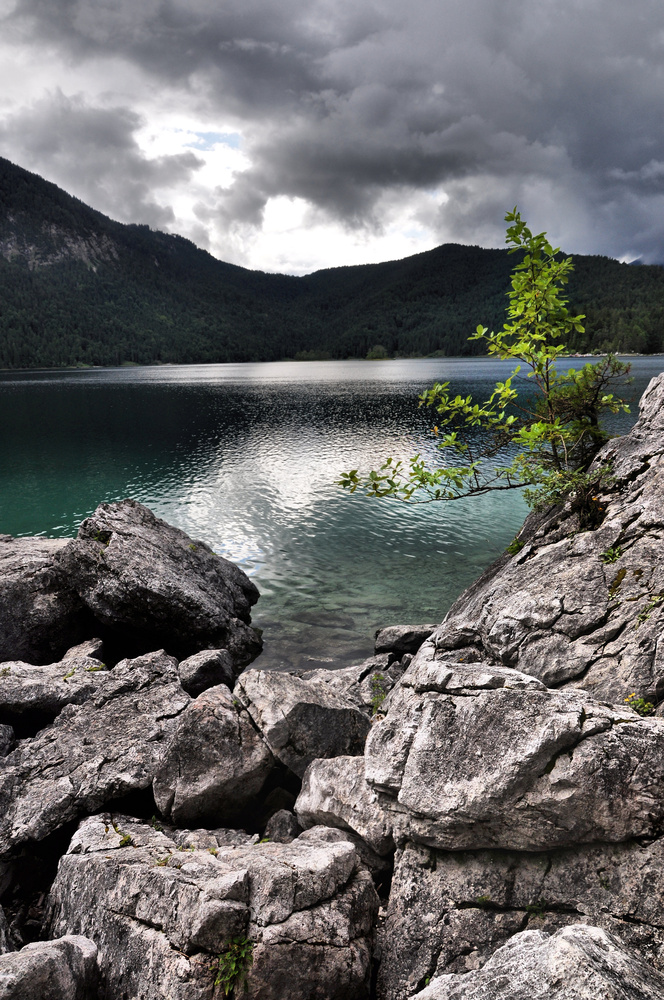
{"points": [[245, 457]]}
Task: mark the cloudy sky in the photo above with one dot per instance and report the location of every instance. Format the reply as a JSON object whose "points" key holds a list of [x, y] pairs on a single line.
{"points": [[290, 135]]}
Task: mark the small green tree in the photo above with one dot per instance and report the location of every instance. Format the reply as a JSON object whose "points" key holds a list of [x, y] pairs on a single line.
{"points": [[547, 436]]}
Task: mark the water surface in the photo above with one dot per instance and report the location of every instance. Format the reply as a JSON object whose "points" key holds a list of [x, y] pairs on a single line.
{"points": [[245, 457]]}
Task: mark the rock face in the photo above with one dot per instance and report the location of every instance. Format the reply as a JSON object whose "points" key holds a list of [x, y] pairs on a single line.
{"points": [[65, 969], [162, 917], [582, 609], [92, 753], [576, 963], [40, 614], [216, 762], [207, 669], [301, 720], [138, 574], [367, 685], [43, 690], [449, 911]]}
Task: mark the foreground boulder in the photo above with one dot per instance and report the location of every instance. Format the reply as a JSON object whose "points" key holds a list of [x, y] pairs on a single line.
{"points": [[582, 608], [302, 719], [163, 918], [450, 910], [41, 615], [65, 969], [28, 690], [93, 753], [576, 963], [141, 577]]}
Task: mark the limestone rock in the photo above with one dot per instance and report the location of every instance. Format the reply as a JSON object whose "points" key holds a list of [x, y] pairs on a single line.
{"points": [[576, 963], [366, 685], [207, 669], [335, 793], [301, 720], [40, 614], [449, 911], [5, 936], [93, 753], [582, 608], [400, 639], [6, 740], [471, 756], [215, 764], [139, 575], [283, 827], [161, 917], [44, 690], [65, 969]]}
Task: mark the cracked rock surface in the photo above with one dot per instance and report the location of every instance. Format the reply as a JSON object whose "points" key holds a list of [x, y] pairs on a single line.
{"points": [[65, 969], [575, 963], [160, 916], [44, 690], [94, 752], [582, 608]]}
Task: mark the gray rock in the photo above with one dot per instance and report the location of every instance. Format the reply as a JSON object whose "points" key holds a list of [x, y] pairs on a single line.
{"points": [[139, 575], [40, 614], [6, 740], [282, 827], [377, 865], [65, 969], [582, 609], [91, 647], [367, 685], [576, 963], [216, 762], [161, 917], [92, 753], [449, 911], [335, 793], [45, 690], [471, 756], [5, 936], [400, 639], [301, 720], [207, 669]]}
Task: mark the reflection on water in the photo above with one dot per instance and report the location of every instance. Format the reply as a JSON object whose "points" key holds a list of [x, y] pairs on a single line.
{"points": [[245, 457]]}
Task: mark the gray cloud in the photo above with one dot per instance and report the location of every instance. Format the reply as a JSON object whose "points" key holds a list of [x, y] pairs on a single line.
{"points": [[556, 106]]}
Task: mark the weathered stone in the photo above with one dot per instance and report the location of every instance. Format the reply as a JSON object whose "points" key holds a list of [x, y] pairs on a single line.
{"points": [[449, 911], [335, 793], [301, 720], [366, 685], [378, 865], [215, 764], [161, 917], [91, 647], [44, 690], [283, 827], [576, 963], [473, 756], [207, 669], [400, 639], [92, 753], [65, 969], [582, 608], [142, 577], [40, 614], [6, 740], [5, 936]]}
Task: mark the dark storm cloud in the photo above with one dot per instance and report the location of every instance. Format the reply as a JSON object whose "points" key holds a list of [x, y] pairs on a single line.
{"points": [[93, 151], [555, 104]]}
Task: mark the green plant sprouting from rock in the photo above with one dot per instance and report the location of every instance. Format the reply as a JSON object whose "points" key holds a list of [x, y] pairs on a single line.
{"points": [[378, 692], [639, 705], [543, 439], [611, 554], [233, 964]]}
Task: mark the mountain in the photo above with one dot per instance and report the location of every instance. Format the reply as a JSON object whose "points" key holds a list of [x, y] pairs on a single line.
{"points": [[78, 288]]}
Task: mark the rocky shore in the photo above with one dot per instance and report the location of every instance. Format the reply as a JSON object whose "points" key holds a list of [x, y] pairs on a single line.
{"points": [[474, 812]]}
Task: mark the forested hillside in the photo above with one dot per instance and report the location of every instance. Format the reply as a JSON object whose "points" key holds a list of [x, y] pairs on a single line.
{"points": [[78, 288]]}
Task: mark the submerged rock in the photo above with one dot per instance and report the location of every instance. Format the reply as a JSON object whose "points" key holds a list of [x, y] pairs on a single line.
{"points": [[141, 577], [162, 919], [65, 969], [576, 963]]}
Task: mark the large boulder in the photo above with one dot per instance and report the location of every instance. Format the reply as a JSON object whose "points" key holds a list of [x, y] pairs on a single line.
{"points": [[216, 762], [366, 685], [302, 719], [576, 963], [147, 581], [582, 608], [164, 919], [41, 615], [42, 691], [450, 910], [65, 969], [93, 753]]}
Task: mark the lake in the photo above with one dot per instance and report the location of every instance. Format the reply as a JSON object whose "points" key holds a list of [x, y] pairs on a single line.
{"points": [[245, 457]]}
